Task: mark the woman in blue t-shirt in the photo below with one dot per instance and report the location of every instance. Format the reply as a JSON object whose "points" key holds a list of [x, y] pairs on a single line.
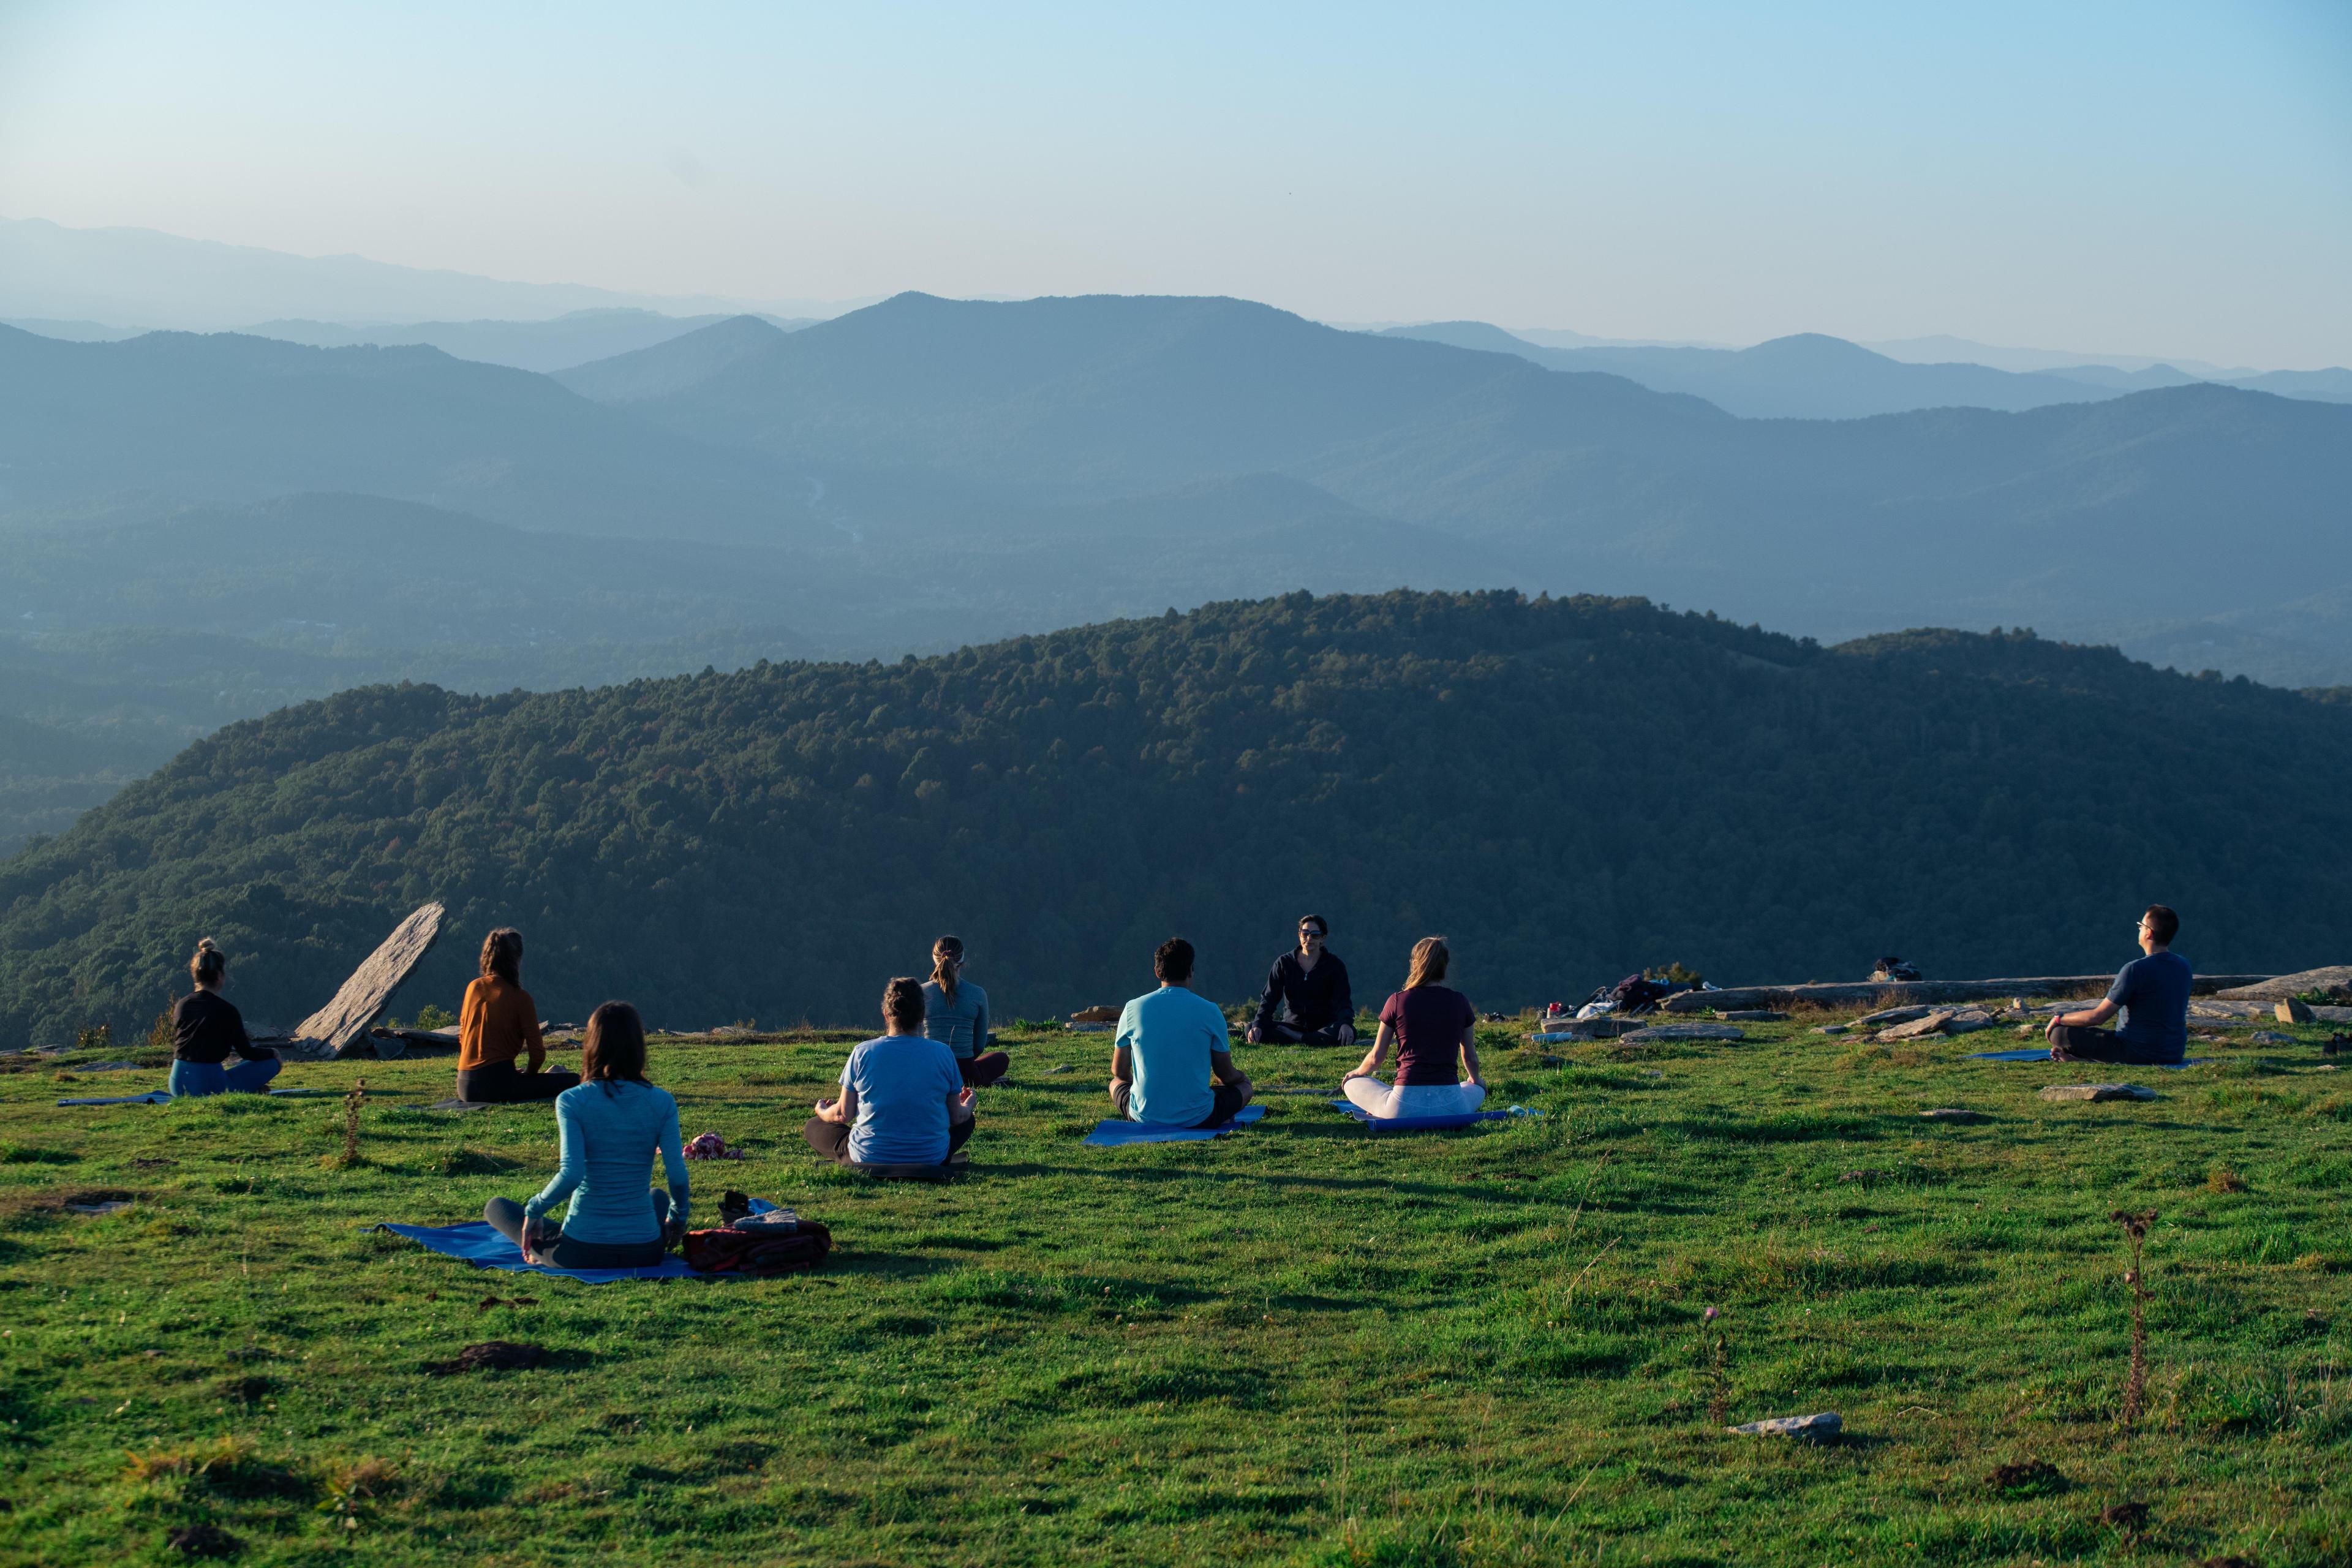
{"points": [[902, 1101], [1433, 1027], [609, 1128]]}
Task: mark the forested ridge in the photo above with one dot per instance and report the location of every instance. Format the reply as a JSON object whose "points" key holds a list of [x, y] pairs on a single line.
{"points": [[1569, 788]]}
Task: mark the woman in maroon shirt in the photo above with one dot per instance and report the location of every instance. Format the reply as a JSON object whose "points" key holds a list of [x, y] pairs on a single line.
{"points": [[1433, 1029]]}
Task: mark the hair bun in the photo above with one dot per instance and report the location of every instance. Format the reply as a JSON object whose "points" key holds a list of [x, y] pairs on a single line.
{"points": [[204, 944]]}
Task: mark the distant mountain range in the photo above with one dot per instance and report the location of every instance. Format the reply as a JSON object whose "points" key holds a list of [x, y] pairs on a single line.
{"points": [[138, 277], [1012, 465], [1809, 376], [149, 424]]}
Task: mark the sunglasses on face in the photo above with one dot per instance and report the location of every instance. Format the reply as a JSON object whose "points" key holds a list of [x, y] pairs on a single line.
{"points": [[1309, 931]]}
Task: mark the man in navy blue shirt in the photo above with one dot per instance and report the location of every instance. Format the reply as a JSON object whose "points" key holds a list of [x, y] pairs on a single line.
{"points": [[2151, 992], [1306, 1001]]}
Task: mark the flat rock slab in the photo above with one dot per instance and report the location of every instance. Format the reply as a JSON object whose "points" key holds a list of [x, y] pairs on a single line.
{"points": [[1920, 1027], [1663, 1032], [1602, 1028], [1891, 1015], [2284, 987], [344, 1023], [1828, 1424], [1951, 1114], [2094, 1091], [1753, 1015], [1834, 1029], [2268, 1037]]}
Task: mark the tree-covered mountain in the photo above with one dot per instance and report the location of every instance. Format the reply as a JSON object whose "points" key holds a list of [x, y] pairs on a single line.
{"points": [[1567, 788]]}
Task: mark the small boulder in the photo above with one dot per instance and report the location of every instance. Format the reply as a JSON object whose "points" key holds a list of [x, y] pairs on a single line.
{"points": [[2268, 1037], [1891, 1015], [2293, 1011], [490, 1355], [2096, 1092], [1825, 1424], [1968, 1020], [1834, 1029]]}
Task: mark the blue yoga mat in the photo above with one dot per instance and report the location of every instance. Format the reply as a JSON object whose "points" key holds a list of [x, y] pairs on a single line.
{"points": [[1114, 1133], [1417, 1124], [476, 1243], [164, 1097], [2042, 1054]]}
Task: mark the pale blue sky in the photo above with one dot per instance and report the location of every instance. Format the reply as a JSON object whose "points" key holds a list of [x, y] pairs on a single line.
{"points": [[2145, 177]]}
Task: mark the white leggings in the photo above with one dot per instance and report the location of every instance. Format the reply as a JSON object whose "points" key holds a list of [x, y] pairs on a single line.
{"points": [[1374, 1097]]}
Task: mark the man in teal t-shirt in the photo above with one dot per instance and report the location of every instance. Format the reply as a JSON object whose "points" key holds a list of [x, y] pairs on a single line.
{"points": [[1173, 1065]]}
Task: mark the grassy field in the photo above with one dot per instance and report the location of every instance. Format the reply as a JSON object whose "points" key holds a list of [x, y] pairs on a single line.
{"points": [[1300, 1344]]}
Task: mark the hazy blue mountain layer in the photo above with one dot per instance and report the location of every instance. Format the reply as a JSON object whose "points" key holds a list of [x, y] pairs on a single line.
{"points": [[1567, 788], [1807, 377], [1812, 376], [575, 338], [173, 417]]}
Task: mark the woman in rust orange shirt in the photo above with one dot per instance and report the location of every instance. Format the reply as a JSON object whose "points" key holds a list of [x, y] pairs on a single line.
{"points": [[500, 1022]]}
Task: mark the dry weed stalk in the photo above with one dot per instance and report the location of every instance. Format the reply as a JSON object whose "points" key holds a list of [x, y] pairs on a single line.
{"points": [[352, 1103], [2135, 1386]]}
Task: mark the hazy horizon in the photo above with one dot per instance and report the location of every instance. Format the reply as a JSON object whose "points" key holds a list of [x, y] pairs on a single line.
{"points": [[2142, 181]]}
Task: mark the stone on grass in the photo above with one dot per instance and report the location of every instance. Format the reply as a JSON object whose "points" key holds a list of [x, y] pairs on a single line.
{"points": [[2293, 1011], [1833, 1028], [1891, 1015], [1952, 1113], [1919, 1028], [1968, 1020], [2268, 1037], [1661, 1032], [490, 1355], [1753, 1015], [2096, 1092], [1827, 1424]]}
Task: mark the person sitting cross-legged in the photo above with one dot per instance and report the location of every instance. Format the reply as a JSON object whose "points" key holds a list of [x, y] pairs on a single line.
{"points": [[902, 1101], [955, 1013], [1306, 1001], [608, 1130], [498, 1022], [2152, 993], [1431, 1025], [207, 1029], [1173, 1064]]}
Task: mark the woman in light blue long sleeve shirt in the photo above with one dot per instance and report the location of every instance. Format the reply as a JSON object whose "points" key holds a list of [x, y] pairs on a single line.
{"points": [[955, 1013], [610, 1128]]}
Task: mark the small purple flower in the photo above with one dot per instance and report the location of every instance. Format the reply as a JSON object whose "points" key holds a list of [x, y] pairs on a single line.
{"points": [[1710, 1315]]}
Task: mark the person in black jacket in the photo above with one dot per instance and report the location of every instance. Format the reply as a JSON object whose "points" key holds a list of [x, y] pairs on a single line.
{"points": [[205, 1027], [1307, 1000]]}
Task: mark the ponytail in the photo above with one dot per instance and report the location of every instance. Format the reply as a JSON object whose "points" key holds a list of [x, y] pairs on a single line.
{"points": [[947, 958]]}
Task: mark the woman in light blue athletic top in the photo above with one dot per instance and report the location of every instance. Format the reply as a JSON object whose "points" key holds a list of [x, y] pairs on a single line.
{"points": [[955, 1013], [610, 1128]]}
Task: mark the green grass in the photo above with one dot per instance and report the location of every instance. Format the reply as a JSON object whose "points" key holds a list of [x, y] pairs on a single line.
{"points": [[1299, 1344]]}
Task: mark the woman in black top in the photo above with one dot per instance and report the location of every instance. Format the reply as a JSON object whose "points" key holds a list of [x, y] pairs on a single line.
{"points": [[205, 1027]]}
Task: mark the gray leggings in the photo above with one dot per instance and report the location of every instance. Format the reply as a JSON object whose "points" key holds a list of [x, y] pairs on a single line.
{"points": [[505, 1216]]}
